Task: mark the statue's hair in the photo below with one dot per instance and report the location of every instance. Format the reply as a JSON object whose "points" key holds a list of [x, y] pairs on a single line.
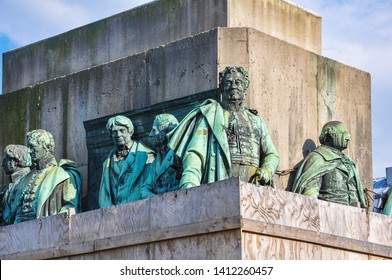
{"points": [[230, 70], [328, 129], [19, 153], [43, 138], [122, 121], [166, 121]]}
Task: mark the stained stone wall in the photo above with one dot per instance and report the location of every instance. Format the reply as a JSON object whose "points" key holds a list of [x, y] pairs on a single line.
{"points": [[152, 25]]}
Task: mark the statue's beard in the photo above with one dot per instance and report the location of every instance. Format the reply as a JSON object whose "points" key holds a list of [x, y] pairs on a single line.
{"points": [[234, 101]]}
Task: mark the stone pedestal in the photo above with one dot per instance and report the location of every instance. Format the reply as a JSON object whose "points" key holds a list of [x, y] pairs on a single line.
{"points": [[224, 220]]}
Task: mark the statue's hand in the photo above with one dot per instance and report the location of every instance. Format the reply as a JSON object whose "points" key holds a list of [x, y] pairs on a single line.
{"points": [[262, 176]]}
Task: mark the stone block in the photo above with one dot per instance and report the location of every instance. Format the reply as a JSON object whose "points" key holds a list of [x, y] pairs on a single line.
{"points": [[150, 26], [228, 219]]}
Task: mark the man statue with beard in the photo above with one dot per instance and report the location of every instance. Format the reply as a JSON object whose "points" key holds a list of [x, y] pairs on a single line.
{"points": [[219, 140], [327, 173], [167, 168]]}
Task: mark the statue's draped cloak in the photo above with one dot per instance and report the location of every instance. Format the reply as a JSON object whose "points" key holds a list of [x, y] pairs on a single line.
{"points": [[320, 162], [56, 193], [201, 142]]}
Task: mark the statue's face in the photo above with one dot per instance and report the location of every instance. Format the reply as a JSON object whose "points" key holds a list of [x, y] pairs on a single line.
{"points": [[37, 151], [158, 133], [341, 137], [9, 165], [121, 135], [234, 87]]}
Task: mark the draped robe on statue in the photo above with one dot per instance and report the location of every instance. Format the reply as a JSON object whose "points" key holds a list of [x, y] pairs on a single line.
{"points": [[50, 190], [202, 143], [330, 175]]}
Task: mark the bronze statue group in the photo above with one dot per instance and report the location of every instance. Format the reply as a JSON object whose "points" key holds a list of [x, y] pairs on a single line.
{"points": [[215, 141]]}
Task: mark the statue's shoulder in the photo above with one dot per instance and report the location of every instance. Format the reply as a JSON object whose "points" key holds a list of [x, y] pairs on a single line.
{"points": [[67, 163], [327, 153], [69, 166], [209, 101], [208, 104], [255, 117]]}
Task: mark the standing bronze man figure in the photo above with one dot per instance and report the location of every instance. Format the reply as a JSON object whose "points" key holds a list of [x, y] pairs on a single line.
{"points": [[220, 140]]}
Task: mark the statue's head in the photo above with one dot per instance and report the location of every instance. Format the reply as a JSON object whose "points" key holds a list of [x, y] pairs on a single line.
{"points": [[41, 144], [15, 157], [335, 134], [163, 124], [120, 129], [233, 83]]}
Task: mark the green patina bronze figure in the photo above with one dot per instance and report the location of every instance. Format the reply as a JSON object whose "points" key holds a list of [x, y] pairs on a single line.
{"points": [[218, 140], [52, 187], [127, 166], [16, 164], [167, 166], [327, 173]]}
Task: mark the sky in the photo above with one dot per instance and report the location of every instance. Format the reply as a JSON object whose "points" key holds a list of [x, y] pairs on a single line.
{"points": [[354, 32]]}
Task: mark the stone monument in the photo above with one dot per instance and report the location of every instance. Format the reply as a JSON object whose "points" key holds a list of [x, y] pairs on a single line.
{"points": [[114, 70]]}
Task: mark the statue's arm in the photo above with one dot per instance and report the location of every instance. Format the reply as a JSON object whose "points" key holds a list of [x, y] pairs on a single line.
{"points": [[270, 159], [69, 196], [147, 188], [312, 188], [308, 180]]}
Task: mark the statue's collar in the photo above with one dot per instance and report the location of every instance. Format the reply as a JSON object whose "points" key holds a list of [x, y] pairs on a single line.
{"points": [[125, 150], [20, 173], [330, 153]]}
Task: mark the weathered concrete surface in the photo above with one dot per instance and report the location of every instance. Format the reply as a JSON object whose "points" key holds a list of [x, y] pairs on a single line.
{"points": [[149, 26], [224, 220], [295, 90], [281, 19]]}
